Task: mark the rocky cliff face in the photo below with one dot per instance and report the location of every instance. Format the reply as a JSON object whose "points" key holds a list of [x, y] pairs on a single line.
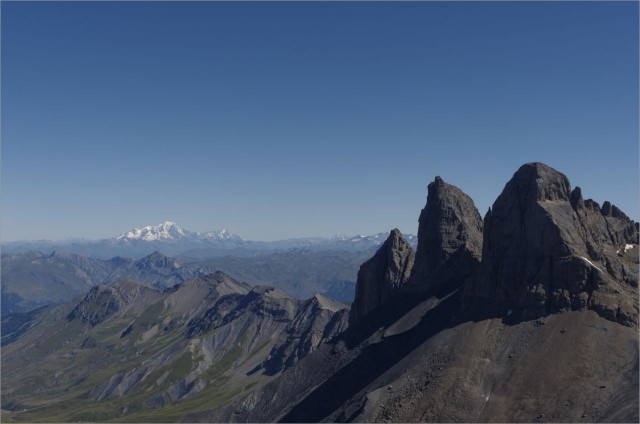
{"points": [[449, 238], [547, 249], [432, 356], [385, 272], [317, 320]]}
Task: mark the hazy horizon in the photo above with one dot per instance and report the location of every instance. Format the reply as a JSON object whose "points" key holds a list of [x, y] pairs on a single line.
{"points": [[71, 239], [285, 120]]}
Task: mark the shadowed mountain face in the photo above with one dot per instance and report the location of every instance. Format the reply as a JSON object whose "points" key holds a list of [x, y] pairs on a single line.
{"points": [[130, 351], [387, 271], [546, 249], [542, 326], [449, 238]]}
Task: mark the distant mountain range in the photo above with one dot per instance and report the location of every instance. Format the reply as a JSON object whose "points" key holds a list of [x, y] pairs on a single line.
{"points": [[56, 272], [34, 279], [171, 239], [527, 315], [170, 231]]}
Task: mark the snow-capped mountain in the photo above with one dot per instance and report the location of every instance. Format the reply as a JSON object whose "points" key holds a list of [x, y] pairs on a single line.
{"points": [[170, 231], [171, 239], [218, 235]]}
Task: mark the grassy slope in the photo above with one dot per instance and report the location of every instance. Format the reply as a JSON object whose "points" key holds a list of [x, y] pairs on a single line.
{"points": [[57, 387]]}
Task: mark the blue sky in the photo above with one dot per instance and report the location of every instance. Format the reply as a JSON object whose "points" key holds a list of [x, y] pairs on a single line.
{"points": [[279, 120]]}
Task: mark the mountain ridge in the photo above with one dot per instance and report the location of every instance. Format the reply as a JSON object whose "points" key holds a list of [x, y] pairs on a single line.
{"points": [[478, 350], [174, 240], [529, 315], [153, 356], [33, 279]]}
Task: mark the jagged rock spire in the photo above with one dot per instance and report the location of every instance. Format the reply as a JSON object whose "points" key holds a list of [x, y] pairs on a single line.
{"points": [[385, 272], [449, 237]]}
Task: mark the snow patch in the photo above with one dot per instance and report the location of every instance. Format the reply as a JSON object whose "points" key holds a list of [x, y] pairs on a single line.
{"points": [[590, 263]]}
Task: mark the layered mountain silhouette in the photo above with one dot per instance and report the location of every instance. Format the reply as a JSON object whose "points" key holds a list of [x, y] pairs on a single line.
{"points": [[130, 349], [530, 315], [170, 238], [32, 280]]}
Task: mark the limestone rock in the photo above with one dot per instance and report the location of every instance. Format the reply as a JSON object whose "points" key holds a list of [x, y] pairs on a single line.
{"points": [[317, 320], [547, 249], [449, 237], [385, 272]]}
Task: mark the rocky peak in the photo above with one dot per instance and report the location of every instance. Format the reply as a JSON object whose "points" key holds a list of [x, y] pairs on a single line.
{"points": [[611, 210], [270, 301], [157, 260], [546, 249], [316, 320], [322, 302], [385, 272], [222, 283], [56, 255], [119, 261], [536, 181], [449, 237], [102, 301]]}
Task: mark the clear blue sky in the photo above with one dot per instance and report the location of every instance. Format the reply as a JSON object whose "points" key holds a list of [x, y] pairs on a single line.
{"points": [[279, 120]]}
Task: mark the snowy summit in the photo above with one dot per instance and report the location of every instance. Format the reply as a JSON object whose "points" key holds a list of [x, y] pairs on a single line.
{"points": [[170, 231]]}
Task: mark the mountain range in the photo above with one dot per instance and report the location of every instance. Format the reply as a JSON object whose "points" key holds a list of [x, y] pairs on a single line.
{"points": [[529, 314], [302, 267], [32, 279], [128, 349], [171, 239]]}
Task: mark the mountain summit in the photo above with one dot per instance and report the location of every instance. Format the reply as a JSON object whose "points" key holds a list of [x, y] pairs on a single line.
{"points": [[167, 230], [387, 271], [547, 249], [449, 237], [170, 231], [469, 338]]}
